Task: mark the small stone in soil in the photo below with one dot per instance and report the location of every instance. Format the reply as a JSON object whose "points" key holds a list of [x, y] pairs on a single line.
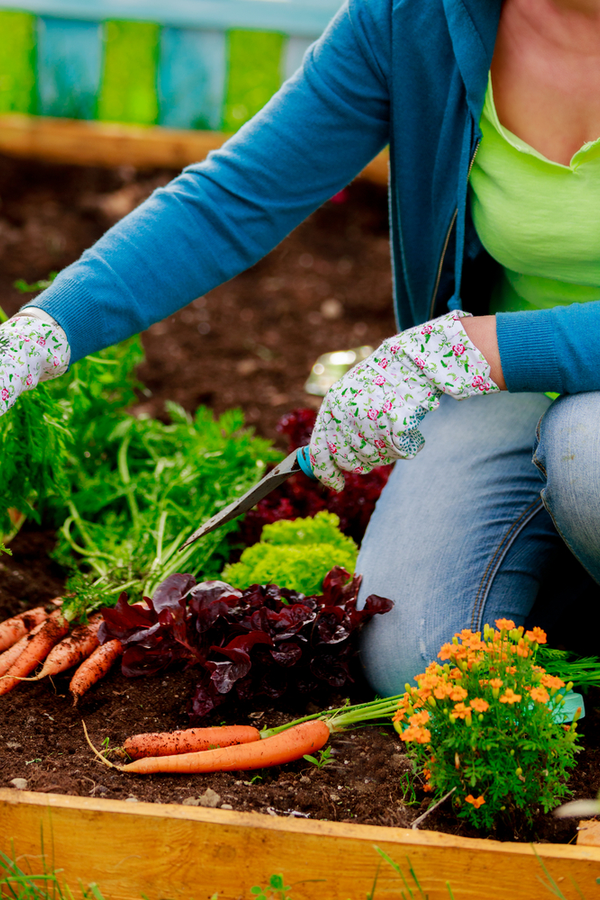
{"points": [[209, 798], [20, 784], [14, 745]]}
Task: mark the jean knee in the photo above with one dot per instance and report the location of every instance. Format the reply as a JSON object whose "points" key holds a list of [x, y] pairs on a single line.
{"points": [[568, 455]]}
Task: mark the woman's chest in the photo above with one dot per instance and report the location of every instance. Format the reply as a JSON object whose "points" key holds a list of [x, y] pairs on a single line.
{"points": [[546, 76]]}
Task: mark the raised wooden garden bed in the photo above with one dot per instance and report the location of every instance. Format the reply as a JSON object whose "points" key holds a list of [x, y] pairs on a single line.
{"points": [[160, 851]]}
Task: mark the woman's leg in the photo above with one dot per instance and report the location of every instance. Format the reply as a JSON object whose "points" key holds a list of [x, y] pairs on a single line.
{"points": [[459, 537], [568, 456]]}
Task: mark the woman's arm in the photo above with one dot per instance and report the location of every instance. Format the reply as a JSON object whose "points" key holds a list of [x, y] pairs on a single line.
{"points": [[482, 331], [221, 216], [555, 349]]}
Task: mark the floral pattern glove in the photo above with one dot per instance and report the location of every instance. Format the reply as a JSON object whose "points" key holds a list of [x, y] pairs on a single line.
{"points": [[30, 351], [371, 416]]}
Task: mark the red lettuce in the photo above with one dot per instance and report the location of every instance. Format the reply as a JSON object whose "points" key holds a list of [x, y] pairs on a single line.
{"points": [[251, 643]]}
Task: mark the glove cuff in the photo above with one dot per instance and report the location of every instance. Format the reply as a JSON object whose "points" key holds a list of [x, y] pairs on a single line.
{"points": [[442, 352], [42, 346]]}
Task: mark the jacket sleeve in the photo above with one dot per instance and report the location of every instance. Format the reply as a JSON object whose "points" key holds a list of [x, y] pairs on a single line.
{"points": [[551, 349], [220, 216]]}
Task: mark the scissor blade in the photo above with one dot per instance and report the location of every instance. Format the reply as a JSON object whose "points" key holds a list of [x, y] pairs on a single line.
{"points": [[267, 484]]}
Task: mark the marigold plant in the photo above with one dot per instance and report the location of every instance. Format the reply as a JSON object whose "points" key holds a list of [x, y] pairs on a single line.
{"points": [[487, 725]]}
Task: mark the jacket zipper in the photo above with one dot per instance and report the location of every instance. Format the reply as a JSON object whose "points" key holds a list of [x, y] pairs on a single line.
{"points": [[446, 242]]}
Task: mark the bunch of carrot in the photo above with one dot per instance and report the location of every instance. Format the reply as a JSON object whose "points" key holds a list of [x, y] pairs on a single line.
{"points": [[229, 748], [39, 638], [224, 748]]}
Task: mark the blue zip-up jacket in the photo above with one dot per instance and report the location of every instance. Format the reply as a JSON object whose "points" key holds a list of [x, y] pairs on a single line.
{"points": [[411, 73]]}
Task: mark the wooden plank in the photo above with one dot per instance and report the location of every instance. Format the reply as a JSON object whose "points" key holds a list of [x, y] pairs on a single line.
{"points": [[588, 833], [302, 17], [191, 78], [101, 144], [128, 89], [69, 56], [130, 849], [255, 73], [17, 62]]}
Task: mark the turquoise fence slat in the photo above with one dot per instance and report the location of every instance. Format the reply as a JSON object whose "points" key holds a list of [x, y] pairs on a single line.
{"points": [[69, 61], [191, 78], [301, 17], [293, 55]]}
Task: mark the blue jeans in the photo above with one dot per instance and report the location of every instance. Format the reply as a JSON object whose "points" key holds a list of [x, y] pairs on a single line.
{"points": [[472, 529]]}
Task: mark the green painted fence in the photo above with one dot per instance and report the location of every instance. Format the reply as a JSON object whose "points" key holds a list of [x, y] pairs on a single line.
{"points": [[147, 72]]}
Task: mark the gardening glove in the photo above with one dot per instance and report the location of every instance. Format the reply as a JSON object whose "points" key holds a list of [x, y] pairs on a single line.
{"points": [[371, 416], [33, 348]]}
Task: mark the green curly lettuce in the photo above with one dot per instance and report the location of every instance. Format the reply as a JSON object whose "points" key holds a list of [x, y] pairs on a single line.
{"points": [[295, 554]]}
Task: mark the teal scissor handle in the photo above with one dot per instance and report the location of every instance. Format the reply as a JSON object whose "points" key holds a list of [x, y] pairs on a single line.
{"points": [[303, 457]]}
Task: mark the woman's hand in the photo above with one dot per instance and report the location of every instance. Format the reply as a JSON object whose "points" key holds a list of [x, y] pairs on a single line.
{"points": [[372, 415], [30, 351]]}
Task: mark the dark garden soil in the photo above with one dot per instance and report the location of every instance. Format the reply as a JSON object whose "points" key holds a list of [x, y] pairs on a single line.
{"points": [[249, 344]]}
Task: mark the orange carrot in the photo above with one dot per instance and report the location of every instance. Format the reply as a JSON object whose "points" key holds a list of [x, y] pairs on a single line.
{"points": [[72, 650], [12, 654], [287, 746], [13, 629], [189, 740], [94, 668], [36, 651]]}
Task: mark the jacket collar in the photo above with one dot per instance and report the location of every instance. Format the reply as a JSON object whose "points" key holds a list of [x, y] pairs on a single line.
{"points": [[473, 25]]}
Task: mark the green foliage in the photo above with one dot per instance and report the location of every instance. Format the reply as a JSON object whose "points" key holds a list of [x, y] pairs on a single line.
{"points": [[277, 889], [134, 503], [296, 554], [51, 432], [24, 288], [487, 726], [34, 437], [320, 761], [17, 884], [124, 491], [583, 671]]}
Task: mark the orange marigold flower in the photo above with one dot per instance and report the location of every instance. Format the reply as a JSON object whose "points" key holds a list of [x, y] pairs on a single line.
{"points": [[552, 681], [426, 684], [496, 682], [505, 624], [444, 689], [462, 712], [446, 651], [523, 650], [479, 705], [511, 670], [509, 696], [455, 673], [458, 693], [466, 635], [475, 801], [539, 694], [419, 718], [536, 634], [417, 734]]}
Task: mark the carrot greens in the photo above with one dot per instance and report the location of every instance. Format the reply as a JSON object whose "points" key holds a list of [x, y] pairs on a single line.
{"points": [[124, 491]]}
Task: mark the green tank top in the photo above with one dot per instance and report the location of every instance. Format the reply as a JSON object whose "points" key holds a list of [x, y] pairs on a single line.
{"points": [[539, 219]]}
